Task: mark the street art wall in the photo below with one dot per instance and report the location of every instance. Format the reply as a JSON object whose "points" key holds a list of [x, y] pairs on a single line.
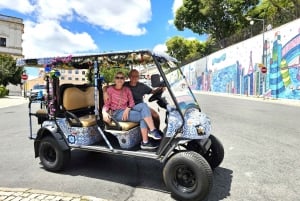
{"points": [[265, 65]]}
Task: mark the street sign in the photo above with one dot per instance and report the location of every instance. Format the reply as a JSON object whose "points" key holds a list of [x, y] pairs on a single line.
{"points": [[24, 76], [263, 69]]}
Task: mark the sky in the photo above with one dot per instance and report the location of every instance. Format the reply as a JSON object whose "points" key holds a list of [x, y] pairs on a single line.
{"points": [[66, 27]]}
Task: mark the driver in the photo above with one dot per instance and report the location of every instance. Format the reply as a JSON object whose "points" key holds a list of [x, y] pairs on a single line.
{"points": [[138, 90]]}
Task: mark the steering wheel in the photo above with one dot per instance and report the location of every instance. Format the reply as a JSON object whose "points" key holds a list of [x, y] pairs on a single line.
{"points": [[156, 95]]}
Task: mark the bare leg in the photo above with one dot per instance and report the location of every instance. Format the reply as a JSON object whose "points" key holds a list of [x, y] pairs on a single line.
{"points": [[144, 132], [155, 117], [149, 122]]}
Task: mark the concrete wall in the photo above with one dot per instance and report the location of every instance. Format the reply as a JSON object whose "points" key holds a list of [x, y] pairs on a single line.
{"points": [[237, 69]]}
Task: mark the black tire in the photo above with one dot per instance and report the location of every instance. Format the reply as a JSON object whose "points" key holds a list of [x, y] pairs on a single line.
{"points": [[215, 153], [51, 155], [188, 176]]}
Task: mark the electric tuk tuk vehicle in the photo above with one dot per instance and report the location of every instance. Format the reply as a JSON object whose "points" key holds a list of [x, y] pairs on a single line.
{"points": [[69, 117]]}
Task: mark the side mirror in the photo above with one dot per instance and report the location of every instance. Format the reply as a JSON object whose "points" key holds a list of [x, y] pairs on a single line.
{"points": [[155, 81]]}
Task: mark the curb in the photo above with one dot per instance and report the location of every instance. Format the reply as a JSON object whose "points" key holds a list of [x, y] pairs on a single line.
{"points": [[27, 194], [291, 102]]}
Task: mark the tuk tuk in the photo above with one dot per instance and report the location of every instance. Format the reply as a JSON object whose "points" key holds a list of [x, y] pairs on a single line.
{"points": [[69, 117]]}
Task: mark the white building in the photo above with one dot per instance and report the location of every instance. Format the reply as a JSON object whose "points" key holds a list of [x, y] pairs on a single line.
{"points": [[11, 30]]}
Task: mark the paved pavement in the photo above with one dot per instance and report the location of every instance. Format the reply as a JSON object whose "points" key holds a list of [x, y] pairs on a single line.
{"points": [[27, 194]]}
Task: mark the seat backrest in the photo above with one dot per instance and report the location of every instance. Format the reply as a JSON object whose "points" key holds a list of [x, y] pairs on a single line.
{"points": [[75, 98]]}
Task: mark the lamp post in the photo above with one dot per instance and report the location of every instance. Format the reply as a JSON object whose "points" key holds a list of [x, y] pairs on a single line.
{"points": [[264, 57], [252, 19]]}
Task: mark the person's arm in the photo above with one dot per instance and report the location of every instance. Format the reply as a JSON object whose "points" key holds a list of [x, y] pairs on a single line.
{"points": [[104, 90], [105, 114], [130, 99], [157, 89], [130, 104], [105, 94]]}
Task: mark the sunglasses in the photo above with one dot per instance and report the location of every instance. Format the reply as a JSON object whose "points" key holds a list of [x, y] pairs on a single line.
{"points": [[119, 78]]}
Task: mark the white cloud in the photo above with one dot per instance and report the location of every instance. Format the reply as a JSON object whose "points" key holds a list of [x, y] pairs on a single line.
{"points": [[177, 4], [53, 10], [50, 39], [22, 6], [118, 15], [46, 36], [160, 48]]}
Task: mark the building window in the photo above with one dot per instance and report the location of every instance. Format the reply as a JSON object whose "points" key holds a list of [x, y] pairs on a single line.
{"points": [[69, 78], [76, 78], [83, 72], [76, 71], [62, 78], [70, 71], [2, 42], [83, 79]]}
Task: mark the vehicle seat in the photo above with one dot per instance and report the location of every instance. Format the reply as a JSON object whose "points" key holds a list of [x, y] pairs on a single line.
{"points": [[78, 104], [41, 115], [121, 125]]}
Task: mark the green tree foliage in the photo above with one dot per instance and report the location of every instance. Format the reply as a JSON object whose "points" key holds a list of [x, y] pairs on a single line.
{"points": [[107, 72], [184, 49], [3, 91], [276, 12], [225, 21], [9, 73], [218, 18]]}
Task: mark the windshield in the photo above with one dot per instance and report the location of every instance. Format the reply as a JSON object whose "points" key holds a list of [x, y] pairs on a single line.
{"points": [[180, 87]]}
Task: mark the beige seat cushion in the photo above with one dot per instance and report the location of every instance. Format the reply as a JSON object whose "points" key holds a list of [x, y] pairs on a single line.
{"points": [[75, 98], [125, 125], [87, 120]]}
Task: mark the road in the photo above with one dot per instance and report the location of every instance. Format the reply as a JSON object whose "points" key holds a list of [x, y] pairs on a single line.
{"points": [[260, 138]]}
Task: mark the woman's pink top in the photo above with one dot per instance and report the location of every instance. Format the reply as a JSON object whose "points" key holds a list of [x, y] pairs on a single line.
{"points": [[118, 99]]}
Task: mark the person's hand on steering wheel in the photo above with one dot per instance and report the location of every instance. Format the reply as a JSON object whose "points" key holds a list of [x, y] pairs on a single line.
{"points": [[156, 94]]}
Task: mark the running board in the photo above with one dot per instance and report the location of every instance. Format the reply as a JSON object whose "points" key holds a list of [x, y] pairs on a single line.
{"points": [[144, 154]]}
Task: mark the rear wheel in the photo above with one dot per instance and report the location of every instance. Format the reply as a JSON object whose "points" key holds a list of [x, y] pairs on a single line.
{"points": [[51, 156], [188, 176]]}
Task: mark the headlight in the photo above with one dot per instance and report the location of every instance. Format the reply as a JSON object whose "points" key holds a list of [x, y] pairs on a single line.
{"points": [[197, 125]]}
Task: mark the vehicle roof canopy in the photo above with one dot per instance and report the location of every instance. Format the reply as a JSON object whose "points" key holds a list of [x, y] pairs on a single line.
{"points": [[111, 59]]}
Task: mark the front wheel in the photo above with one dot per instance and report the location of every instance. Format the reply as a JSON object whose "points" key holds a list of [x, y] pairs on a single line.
{"points": [[51, 155], [188, 176], [215, 153]]}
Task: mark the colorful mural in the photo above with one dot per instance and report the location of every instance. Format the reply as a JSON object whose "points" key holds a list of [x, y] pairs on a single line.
{"points": [[264, 65]]}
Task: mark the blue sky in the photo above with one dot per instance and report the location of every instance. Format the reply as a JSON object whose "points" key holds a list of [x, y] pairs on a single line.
{"points": [[64, 27]]}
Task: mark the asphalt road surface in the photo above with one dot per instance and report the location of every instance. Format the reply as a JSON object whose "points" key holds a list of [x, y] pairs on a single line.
{"points": [[261, 141]]}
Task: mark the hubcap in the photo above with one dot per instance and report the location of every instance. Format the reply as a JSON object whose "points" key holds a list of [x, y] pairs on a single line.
{"points": [[184, 179], [49, 153]]}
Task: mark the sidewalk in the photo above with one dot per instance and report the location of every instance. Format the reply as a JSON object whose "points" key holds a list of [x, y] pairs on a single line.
{"points": [[12, 101], [27, 194]]}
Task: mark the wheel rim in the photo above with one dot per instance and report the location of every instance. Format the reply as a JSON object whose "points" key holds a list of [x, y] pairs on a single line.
{"points": [[184, 179], [49, 153]]}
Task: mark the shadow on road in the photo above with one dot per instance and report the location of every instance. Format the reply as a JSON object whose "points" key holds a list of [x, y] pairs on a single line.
{"points": [[132, 171], [136, 172], [222, 184]]}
